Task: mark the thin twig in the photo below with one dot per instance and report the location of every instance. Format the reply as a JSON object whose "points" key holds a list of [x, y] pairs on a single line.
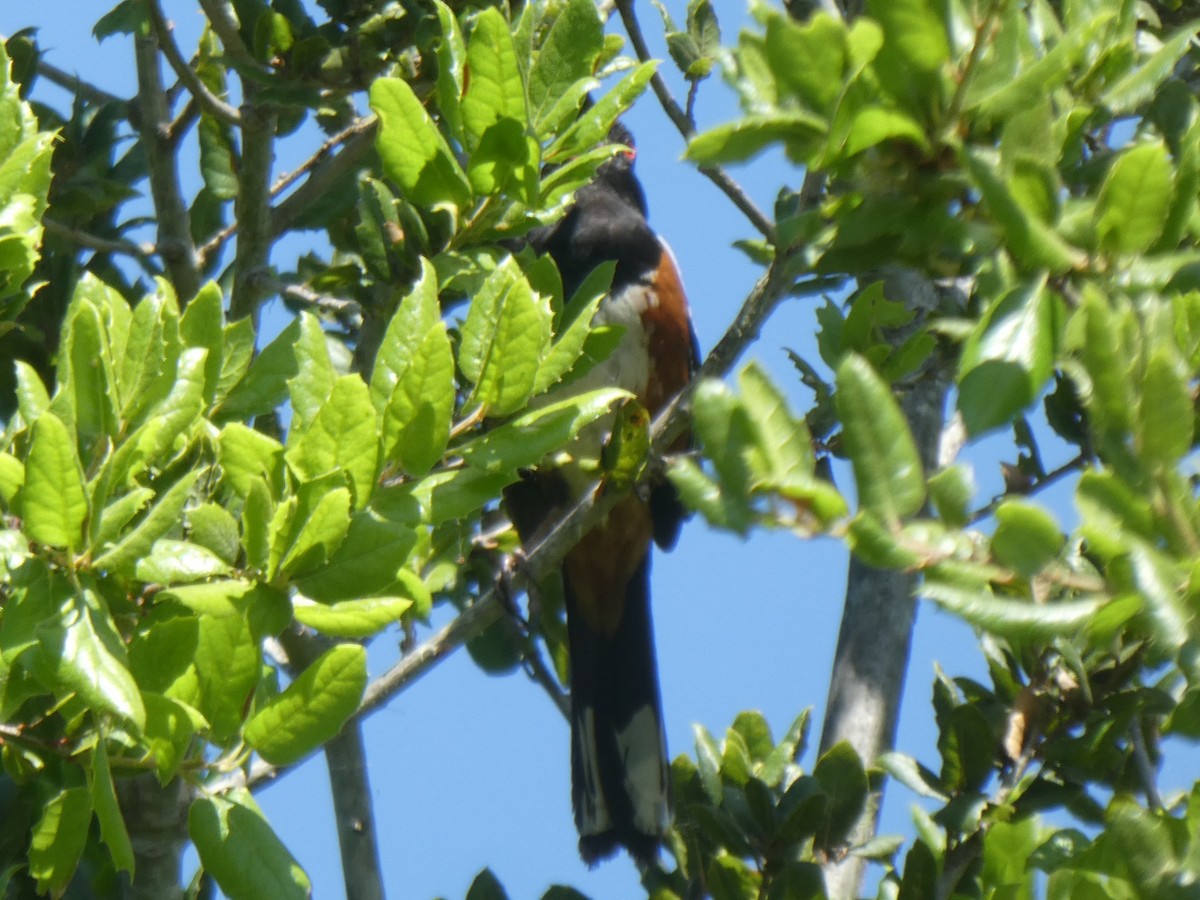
{"points": [[322, 167], [325, 171], [346, 312], [539, 672], [324, 152], [73, 83], [1146, 773], [142, 251], [683, 123], [212, 104], [1071, 465]]}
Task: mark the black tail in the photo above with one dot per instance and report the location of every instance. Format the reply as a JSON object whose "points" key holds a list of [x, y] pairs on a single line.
{"points": [[619, 772]]}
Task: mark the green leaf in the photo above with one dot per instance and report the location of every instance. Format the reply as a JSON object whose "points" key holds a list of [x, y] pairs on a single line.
{"points": [[238, 848], [227, 661], [87, 656], [727, 435], [1027, 538], [800, 133], [495, 90], [1032, 243], [916, 30], [412, 385], [313, 382], [809, 60], [842, 777], [1140, 84], [1107, 360], [214, 528], [728, 878], [341, 438], [1134, 199], [151, 354], [171, 727], [572, 338], [920, 879], [1009, 355], [951, 490], [1013, 618], [247, 456], [784, 444], [367, 561], [350, 618], [164, 515], [1158, 583], [108, 813], [53, 503], [912, 775], [526, 439], [211, 598], [414, 154], [323, 523], [203, 326], [58, 839], [312, 709], [1165, 417], [873, 125], [451, 52], [1037, 80], [86, 380], [12, 477], [592, 127], [108, 525], [486, 886], [264, 386], [449, 496], [887, 466], [568, 54], [32, 399], [504, 338], [175, 562]]}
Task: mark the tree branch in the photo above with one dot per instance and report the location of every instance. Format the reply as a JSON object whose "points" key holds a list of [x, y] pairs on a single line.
{"points": [[358, 142], [252, 207], [142, 252], [324, 169], [175, 244], [83, 88], [875, 637], [224, 22], [210, 102], [346, 760], [687, 127]]}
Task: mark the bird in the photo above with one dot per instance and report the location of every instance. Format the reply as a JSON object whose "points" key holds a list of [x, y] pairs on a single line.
{"points": [[620, 774]]}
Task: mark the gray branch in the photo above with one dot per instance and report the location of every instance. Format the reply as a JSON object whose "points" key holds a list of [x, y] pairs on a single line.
{"points": [[687, 127], [346, 760], [210, 102], [156, 817], [84, 89], [174, 243], [252, 207], [872, 653]]}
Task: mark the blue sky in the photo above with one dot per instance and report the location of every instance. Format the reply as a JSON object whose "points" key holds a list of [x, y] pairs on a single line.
{"points": [[469, 771]]}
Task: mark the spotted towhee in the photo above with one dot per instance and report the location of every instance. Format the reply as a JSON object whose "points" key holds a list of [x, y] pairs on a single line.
{"points": [[619, 771]]}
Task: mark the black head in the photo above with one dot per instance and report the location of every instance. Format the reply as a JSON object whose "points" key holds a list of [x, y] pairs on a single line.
{"points": [[617, 173]]}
